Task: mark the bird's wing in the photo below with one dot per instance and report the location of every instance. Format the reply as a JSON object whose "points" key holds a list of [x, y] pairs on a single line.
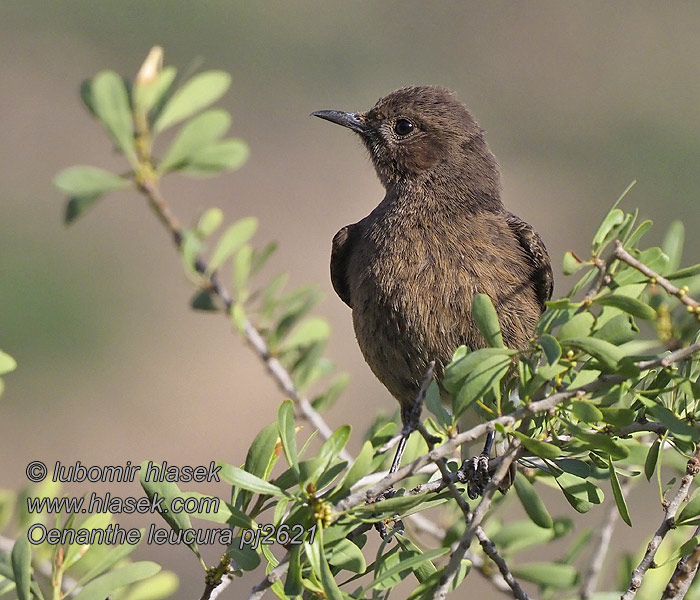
{"points": [[343, 243], [533, 245]]}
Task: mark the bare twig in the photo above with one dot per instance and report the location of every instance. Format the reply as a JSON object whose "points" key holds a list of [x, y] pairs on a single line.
{"points": [[647, 561], [683, 576], [255, 340], [259, 590], [680, 293], [595, 567], [212, 592]]}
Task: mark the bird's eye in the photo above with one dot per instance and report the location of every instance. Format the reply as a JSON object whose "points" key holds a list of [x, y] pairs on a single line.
{"points": [[403, 127]]}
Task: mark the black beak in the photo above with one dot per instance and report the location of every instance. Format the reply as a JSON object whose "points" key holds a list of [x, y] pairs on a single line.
{"points": [[354, 121]]}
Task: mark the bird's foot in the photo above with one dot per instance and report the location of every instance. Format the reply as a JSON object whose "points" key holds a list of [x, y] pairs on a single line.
{"points": [[475, 473]]}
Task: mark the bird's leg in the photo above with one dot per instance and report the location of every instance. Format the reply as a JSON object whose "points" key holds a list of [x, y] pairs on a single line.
{"points": [[475, 471]]}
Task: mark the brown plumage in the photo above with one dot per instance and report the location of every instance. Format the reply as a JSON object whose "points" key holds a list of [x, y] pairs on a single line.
{"points": [[410, 269]]}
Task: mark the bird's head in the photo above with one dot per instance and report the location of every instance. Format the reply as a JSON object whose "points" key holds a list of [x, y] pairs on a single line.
{"points": [[424, 135]]}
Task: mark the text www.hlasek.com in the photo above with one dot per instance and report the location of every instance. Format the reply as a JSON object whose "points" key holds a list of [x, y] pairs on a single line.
{"points": [[118, 505]]}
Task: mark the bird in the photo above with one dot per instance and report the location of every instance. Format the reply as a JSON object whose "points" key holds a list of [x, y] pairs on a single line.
{"points": [[410, 269]]}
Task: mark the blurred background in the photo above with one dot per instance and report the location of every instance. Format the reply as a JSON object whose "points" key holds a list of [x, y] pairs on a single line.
{"points": [[577, 100]]}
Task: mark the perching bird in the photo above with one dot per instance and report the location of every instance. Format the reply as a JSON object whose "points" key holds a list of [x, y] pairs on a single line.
{"points": [[410, 269]]}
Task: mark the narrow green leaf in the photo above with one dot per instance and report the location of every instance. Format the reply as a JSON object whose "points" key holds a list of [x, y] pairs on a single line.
{"points": [[346, 555], [538, 447], [484, 376], [262, 451], [637, 234], [618, 330], [195, 135], [618, 495], [22, 567], [108, 560], [690, 512], [531, 502], [248, 481], [408, 564], [334, 444], [106, 584], [394, 505], [178, 521], [617, 417], [629, 305], [286, 425], [241, 269], [111, 103], [226, 155], [580, 493], [466, 362], [683, 273], [652, 459], [673, 244], [679, 428], [87, 181], [327, 399], [310, 331], [148, 95], [555, 575], [357, 470], [520, 535], [433, 402], [613, 219], [608, 355], [422, 571], [232, 240], [7, 363], [75, 207], [484, 314], [197, 93], [292, 584]]}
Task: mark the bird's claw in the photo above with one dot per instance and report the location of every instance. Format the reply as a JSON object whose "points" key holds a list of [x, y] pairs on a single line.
{"points": [[475, 473]]}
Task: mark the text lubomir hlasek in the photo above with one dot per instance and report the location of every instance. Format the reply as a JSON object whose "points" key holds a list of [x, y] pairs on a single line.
{"points": [[127, 472]]}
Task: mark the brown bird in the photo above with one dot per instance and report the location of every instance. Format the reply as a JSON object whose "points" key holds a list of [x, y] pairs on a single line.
{"points": [[410, 269]]}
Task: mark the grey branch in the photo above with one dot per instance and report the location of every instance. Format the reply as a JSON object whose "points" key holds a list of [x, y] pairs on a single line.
{"points": [[668, 522], [683, 576]]}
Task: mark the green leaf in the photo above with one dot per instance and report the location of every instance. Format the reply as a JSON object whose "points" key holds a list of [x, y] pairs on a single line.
{"points": [[538, 447], [22, 567], [579, 325], [209, 222], [148, 95], [618, 330], [392, 506], [88, 181], [484, 314], [346, 555], [629, 305], [197, 93], [292, 584], [162, 585], [241, 269], [637, 234], [357, 471], [409, 564], [198, 133], [106, 584], [311, 331], [531, 502], [466, 363], [690, 512], [226, 155], [246, 557], [231, 241], [586, 411], [433, 402], [7, 363], [178, 521], [683, 273], [608, 356], [520, 535], [248, 481], [652, 459], [261, 453], [580, 493], [679, 428], [76, 206], [611, 221], [551, 348], [555, 575], [673, 244], [599, 441], [111, 103], [286, 426], [484, 376], [204, 300], [617, 417], [425, 589], [570, 264], [618, 495], [107, 561], [327, 399]]}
